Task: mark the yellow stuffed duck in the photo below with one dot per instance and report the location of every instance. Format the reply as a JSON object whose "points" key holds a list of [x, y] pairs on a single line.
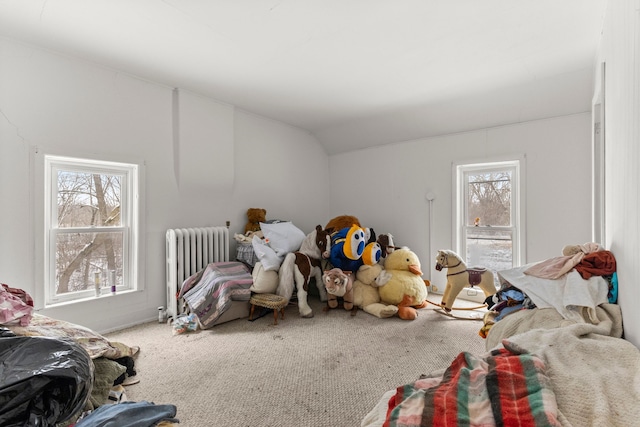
{"points": [[405, 286]]}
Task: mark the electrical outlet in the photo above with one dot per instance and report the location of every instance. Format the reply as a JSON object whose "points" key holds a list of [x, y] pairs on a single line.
{"points": [[434, 288]]}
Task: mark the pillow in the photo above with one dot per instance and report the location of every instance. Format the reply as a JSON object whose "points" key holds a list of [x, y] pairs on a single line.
{"points": [[283, 237], [274, 221], [267, 256], [264, 281]]}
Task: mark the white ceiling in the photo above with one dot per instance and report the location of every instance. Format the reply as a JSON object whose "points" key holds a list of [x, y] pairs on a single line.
{"points": [[355, 73]]}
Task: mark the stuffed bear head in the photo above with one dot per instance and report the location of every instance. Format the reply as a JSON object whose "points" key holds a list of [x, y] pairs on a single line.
{"points": [[368, 274], [255, 216]]}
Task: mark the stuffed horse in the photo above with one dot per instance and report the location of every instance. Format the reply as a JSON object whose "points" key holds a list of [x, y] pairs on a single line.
{"points": [[299, 267], [386, 246], [459, 277]]}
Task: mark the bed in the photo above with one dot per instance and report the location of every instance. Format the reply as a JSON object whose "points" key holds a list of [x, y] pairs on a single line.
{"points": [[561, 363]]}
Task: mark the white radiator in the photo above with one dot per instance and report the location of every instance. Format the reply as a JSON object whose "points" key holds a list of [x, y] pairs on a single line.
{"points": [[188, 251]]}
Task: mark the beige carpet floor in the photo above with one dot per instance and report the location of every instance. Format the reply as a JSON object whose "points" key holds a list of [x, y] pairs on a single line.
{"points": [[329, 370]]}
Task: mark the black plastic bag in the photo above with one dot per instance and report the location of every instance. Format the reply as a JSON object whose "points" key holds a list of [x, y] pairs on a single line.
{"points": [[43, 381]]}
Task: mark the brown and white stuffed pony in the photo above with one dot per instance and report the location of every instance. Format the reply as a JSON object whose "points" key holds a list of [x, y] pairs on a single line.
{"points": [[386, 244], [338, 284], [298, 268]]}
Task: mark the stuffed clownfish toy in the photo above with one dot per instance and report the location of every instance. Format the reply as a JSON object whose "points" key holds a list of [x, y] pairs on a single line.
{"points": [[350, 250], [372, 253]]}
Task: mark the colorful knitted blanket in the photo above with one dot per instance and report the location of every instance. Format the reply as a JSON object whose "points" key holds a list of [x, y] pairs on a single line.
{"points": [[209, 292], [503, 388]]}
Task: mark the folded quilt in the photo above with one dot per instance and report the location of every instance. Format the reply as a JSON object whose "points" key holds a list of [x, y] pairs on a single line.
{"points": [[504, 388]]}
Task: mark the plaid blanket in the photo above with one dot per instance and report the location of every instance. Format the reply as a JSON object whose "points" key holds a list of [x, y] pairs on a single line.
{"points": [[503, 388], [209, 292]]}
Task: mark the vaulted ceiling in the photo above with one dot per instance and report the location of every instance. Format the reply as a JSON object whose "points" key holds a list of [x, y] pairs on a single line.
{"points": [[355, 73]]}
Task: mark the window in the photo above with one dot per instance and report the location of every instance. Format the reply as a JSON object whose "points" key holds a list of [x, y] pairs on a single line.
{"points": [[91, 227], [489, 216]]}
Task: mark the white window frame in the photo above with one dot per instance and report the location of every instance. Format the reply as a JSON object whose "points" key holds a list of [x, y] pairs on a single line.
{"points": [[599, 161], [131, 221], [517, 165]]}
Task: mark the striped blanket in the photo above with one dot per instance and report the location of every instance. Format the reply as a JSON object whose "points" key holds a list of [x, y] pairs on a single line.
{"points": [[503, 388], [209, 292]]}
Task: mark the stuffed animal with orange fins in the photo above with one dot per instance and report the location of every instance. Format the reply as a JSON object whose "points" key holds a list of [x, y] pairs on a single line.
{"points": [[405, 287]]}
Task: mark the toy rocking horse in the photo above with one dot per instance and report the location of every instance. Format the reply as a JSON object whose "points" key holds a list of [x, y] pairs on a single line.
{"points": [[459, 277]]}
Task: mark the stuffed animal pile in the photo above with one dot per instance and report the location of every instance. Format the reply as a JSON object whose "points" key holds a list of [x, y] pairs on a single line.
{"points": [[363, 271]]}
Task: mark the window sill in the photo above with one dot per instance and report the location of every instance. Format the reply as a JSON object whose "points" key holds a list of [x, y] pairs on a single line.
{"points": [[104, 295]]}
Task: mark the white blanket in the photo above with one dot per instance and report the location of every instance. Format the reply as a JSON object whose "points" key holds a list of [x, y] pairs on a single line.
{"points": [[570, 294], [595, 376]]}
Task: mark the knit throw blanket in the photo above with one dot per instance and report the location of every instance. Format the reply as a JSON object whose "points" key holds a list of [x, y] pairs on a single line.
{"points": [[596, 377], [210, 292], [507, 387]]}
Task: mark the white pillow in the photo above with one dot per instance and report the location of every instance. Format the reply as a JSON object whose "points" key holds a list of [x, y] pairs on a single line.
{"points": [[283, 237], [264, 281], [267, 256]]}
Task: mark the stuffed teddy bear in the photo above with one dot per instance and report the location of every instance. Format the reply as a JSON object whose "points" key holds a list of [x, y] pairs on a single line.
{"points": [[255, 216], [405, 287], [365, 291], [338, 284]]}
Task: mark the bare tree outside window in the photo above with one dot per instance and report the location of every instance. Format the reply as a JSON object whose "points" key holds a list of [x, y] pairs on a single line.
{"points": [[489, 199], [488, 214], [88, 204], [488, 243]]}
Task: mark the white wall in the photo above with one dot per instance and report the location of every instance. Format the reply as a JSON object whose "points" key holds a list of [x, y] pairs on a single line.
{"points": [[620, 50], [68, 106], [385, 187]]}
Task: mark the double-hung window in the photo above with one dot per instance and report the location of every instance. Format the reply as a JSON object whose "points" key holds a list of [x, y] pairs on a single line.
{"points": [[489, 214], [91, 227]]}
